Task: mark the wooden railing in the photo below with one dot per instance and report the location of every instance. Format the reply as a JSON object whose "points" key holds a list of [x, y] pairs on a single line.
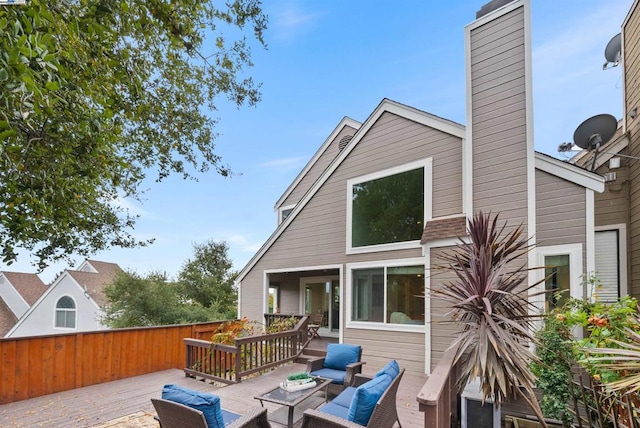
{"points": [[270, 318], [248, 355], [438, 397], [35, 366]]}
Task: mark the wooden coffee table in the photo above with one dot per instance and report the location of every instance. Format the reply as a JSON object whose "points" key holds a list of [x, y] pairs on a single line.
{"points": [[294, 403]]}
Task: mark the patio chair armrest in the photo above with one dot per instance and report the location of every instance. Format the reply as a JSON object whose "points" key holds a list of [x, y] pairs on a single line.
{"points": [[315, 419], [255, 417], [359, 379], [315, 364], [352, 370]]}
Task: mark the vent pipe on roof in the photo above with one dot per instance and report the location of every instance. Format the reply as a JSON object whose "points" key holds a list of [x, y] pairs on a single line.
{"points": [[491, 6]]}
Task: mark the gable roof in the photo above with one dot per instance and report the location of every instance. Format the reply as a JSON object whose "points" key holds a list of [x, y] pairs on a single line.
{"points": [[569, 172], [28, 285], [95, 282], [7, 318], [385, 106], [346, 121]]}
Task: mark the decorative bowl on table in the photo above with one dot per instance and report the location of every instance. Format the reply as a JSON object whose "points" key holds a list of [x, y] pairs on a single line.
{"points": [[298, 382]]}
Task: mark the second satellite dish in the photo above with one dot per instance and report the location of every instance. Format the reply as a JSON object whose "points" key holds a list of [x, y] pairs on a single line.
{"points": [[595, 131], [613, 51]]}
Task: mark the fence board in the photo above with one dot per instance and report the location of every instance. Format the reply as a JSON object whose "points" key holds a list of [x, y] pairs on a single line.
{"points": [[35, 366]]}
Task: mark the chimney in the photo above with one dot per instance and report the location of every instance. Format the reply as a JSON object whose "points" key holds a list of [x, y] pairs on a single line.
{"points": [[499, 144]]}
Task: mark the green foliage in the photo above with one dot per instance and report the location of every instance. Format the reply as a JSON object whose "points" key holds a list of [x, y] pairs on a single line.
{"points": [[282, 324], [198, 296], [207, 278], [229, 331], [97, 94], [147, 301], [553, 369], [298, 376], [489, 301]]}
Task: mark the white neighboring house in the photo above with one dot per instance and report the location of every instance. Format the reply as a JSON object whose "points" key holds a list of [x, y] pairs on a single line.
{"points": [[18, 292], [72, 303]]}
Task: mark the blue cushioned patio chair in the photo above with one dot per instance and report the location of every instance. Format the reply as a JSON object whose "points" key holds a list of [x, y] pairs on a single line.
{"points": [[370, 402], [341, 364], [181, 407]]}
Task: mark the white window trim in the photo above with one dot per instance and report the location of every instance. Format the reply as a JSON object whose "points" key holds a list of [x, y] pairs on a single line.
{"points": [[622, 252], [574, 251], [284, 208], [362, 325], [427, 164], [55, 313]]}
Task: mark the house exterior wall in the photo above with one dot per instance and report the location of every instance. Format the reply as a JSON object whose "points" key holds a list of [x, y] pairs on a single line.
{"points": [[12, 298], [631, 75], [317, 235], [41, 320], [318, 168], [498, 116], [560, 212], [612, 205]]}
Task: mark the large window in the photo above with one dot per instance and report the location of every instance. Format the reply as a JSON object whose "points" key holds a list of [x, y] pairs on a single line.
{"points": [[393, 295], [66, 313], [389, 209]]}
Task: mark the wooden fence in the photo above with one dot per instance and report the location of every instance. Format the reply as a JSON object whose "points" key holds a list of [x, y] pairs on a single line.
{"points": [[35, 366], [248, 355]]}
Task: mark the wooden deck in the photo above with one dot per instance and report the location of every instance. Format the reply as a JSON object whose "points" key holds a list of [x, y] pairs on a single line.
{"points": [[98, 404]]}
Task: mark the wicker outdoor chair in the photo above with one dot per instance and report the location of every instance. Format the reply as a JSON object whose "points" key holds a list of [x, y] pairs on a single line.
{"points": [[384, 414], [176, 415], [341, 364]]}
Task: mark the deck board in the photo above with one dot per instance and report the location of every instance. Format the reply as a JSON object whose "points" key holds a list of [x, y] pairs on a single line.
{"points": [[97, 404]]}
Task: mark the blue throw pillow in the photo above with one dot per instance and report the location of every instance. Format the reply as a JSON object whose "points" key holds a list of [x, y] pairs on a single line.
{"points": [[339, 355], [365, 399], [392, 369], [208, 404]]}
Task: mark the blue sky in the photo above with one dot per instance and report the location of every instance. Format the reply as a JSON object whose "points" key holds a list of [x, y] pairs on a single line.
{"points": [[330, 59]]}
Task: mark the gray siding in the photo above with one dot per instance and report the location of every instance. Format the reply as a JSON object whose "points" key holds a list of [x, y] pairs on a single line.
{"points": [[318, 168], [631, 75], [498, 117], [612, 205], [442, 331], [560, 212], [378, 347]]}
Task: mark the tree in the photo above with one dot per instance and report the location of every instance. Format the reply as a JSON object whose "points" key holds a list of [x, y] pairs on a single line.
{"points": [[136, 301], [208, 278], [96, 94], [203, 292]]}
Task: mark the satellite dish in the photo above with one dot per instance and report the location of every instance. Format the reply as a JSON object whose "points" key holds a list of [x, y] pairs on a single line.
{"points": [[594, 132], [612, 52]]}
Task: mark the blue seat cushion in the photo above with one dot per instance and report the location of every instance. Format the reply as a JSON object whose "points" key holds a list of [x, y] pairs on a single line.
{"points": [[208, 404], [365, 398], [340, 355], [229, 417], [344, 398], [336, 376], [335, 410], [392, 369]]}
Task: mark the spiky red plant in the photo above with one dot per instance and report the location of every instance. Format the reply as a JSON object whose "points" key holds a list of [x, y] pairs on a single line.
{"points": [[489, 301]]}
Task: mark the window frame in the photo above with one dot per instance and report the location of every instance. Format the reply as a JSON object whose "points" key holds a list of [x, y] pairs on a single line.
{"points": [[427, 165], [281, 211], [576, 268], [384, 325], [56, 309]]}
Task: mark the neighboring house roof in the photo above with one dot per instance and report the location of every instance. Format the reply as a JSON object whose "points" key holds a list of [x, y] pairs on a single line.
{"points": [[385, 105], [96, 282], [7, 318], [29, 285], [344, 122]]}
